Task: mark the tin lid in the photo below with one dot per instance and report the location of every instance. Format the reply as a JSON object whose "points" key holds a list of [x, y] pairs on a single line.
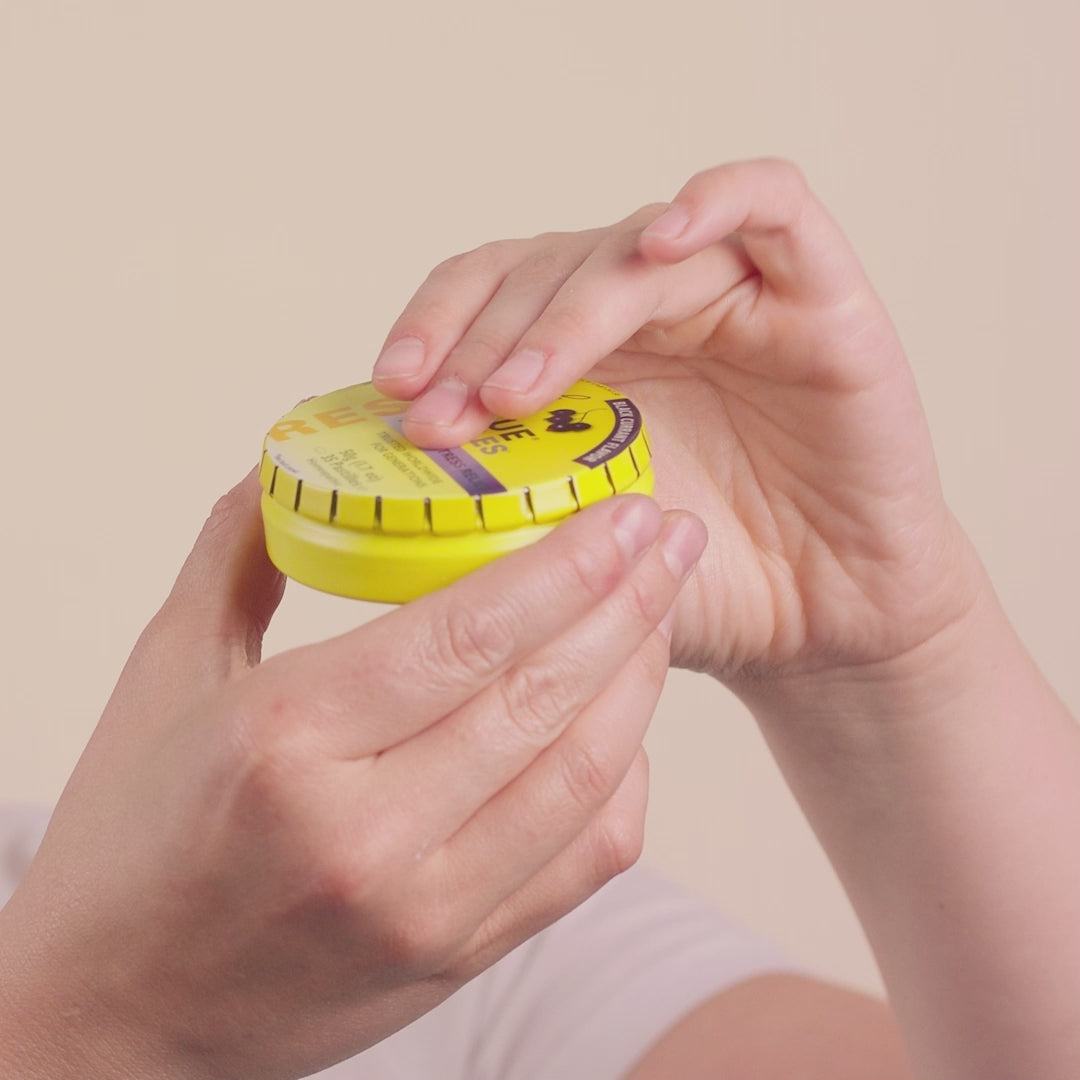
{"points": [[342, 460]]}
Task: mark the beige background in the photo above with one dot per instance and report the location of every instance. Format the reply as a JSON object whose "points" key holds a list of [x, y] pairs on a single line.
{"points": [[210, 210]]}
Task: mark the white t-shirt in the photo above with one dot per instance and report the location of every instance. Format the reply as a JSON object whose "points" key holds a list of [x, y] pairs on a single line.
{"points": [[583, 999]]}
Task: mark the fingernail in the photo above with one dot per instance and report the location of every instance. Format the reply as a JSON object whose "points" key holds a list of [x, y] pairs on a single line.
{"points": [[404, 357], [442, 405], [667, 623], [670, 224], [681, 545], [636, 524], [519, 373]]}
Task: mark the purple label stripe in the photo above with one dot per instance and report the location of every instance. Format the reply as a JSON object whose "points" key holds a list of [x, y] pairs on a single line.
{"points": [[624, 430], [458, 464]]}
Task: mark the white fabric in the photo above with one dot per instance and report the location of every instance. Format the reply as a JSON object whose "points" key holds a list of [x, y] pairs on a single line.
{"points": [[583, 999]]}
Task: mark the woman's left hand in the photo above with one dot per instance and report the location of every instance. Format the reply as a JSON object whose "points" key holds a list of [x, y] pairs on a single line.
{"points": [[779, 404]]}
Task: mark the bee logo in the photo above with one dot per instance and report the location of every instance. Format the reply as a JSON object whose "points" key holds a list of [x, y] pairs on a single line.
{"points": [[563, 420]]}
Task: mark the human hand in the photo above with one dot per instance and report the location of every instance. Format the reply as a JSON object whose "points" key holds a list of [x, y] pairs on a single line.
{"points": [[257, 870], [778, 399]]}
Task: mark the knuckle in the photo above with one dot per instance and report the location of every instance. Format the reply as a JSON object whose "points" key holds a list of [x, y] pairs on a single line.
{"points": [[421, 939], [473, 641], [349, 874], [653, 209], [587, 775], [485, 347], [618, 841], [230, 504], [491, 259], [619, 245], [791, 182], [436, 305], [448, 267], [643, 602], [549, 239], [157, 637], [343, 886], [250, 724], [787, 171], [478, 957], [566, 322], [591, 569], [646, 215], [535, 699], [705, 179], [224, 515], [267, 767], [263, 749], [546, 265]]}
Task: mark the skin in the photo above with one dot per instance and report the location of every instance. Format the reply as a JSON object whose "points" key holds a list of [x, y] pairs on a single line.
{"points": [[838, 596], [239, 879], [321, 907]]}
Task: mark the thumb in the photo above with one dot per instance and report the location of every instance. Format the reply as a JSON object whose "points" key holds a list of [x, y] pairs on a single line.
{"points": [[227, 590]]}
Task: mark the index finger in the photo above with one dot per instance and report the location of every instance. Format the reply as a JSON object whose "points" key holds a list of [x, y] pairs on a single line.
{"points": [[378, 685], [682, 261]]}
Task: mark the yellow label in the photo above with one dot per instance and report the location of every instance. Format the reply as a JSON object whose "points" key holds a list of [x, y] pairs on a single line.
{"points": [[343, 450]]}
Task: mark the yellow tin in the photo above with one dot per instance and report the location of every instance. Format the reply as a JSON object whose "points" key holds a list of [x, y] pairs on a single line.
{"points": [[351, 507]]}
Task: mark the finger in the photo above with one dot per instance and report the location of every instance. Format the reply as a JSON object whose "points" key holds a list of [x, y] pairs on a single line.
{"points": [[378, 685], [793, 241], [476, 752], [543, 811], [449, 412], [609, 299], [437, 316], [225, 595], [610, 844]]}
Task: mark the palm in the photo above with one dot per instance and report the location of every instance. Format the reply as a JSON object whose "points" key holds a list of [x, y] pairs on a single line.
{"points": [[821, 541]]}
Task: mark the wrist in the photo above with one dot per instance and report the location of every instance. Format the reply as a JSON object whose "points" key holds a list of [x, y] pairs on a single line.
{"points": [[942, 679], [923, 652], [944, 788], [923, 731], [54, 1027]]}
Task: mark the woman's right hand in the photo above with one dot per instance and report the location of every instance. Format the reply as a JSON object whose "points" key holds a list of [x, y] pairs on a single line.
{"points": [[259, 869]]}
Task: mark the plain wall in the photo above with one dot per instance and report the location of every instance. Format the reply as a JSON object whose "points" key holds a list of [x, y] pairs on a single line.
{"points": [[209, 210]]}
